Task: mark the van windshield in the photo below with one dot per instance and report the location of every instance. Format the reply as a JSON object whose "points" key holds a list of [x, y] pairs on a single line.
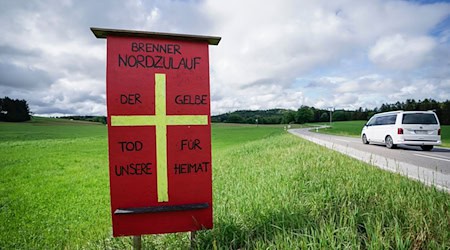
{"points": [[419, 119]]}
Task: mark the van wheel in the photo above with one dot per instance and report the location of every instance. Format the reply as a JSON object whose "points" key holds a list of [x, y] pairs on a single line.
{"points": [[390, 143], [427, 147], [364, 139]]}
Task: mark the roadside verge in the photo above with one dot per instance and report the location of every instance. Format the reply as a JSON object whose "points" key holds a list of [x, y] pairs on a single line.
{"points": [[427, 176]]}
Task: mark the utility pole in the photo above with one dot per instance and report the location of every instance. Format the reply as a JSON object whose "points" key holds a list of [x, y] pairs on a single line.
{"points": [[331, 109]]}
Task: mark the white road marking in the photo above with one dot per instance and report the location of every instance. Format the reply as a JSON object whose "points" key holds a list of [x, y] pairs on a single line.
{"points": [[342, 140], [437, 155], [432, 157]]}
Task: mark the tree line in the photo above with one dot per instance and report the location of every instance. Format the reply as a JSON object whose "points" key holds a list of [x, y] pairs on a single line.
{"points": [[14, 110], [310, 114], [88, 118]]}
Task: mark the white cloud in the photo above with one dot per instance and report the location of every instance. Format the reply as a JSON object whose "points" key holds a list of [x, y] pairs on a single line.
{"points": [[400, 52], [322, 34], [272, 55], [259, 97]]}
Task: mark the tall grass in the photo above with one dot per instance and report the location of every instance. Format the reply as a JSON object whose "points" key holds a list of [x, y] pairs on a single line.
{"points": [[271, 190], [347, 128], [283, 192]]}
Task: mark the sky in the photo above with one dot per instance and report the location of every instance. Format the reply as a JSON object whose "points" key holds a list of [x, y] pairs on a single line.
{"points": [[344, 54]]}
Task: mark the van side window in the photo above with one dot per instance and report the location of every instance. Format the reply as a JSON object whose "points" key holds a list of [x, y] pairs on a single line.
{"points": [[386, 120], [371, 122], [391, 119], [379, 121]]}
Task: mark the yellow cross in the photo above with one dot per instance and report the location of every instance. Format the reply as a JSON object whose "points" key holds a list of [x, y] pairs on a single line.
{"points": [[160, 120]]}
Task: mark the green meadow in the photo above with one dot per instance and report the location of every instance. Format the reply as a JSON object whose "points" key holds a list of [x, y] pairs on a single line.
{"points": [[353, 128], [272, 190]]}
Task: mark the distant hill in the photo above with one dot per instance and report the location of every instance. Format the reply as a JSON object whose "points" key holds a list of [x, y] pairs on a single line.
{"points": [[88, 118], [310, 114], [270, 116]]}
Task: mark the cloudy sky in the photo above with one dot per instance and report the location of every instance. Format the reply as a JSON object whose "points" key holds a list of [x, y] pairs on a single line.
{"points": [[273, 54]]}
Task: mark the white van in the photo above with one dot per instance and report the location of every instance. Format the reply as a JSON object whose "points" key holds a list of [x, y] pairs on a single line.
{"points": [[419, 128]]}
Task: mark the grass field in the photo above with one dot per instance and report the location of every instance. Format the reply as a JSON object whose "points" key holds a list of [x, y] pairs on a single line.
{"points": [[353, 128], [271, 190]]}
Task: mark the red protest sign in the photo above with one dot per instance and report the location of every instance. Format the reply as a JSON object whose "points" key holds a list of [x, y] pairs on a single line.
{"points": [[159, 131]]}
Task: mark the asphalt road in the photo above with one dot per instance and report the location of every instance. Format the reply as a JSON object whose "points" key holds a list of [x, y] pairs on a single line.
{"points": [[431, 167]]}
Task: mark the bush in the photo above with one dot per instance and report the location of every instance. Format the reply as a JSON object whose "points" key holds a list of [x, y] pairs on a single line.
{"points": [[14, 110]]}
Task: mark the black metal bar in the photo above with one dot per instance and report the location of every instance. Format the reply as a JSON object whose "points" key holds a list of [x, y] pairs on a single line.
{"points": [[158, 209]]}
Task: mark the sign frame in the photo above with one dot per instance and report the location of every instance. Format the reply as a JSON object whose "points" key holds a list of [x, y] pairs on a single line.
{"points": [[168, 105]]}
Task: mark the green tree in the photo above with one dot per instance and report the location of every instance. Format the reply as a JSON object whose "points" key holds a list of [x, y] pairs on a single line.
{"points": [[339, 115], [289, 117], [324, 117], [304, 115], [233, 118], [445, 115], [316, 114], [12, 110], [384, 108], [410, 104]]}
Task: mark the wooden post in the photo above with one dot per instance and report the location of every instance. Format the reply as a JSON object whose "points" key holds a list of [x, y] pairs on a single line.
{"points": [[192, 239], [137, 242]]}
